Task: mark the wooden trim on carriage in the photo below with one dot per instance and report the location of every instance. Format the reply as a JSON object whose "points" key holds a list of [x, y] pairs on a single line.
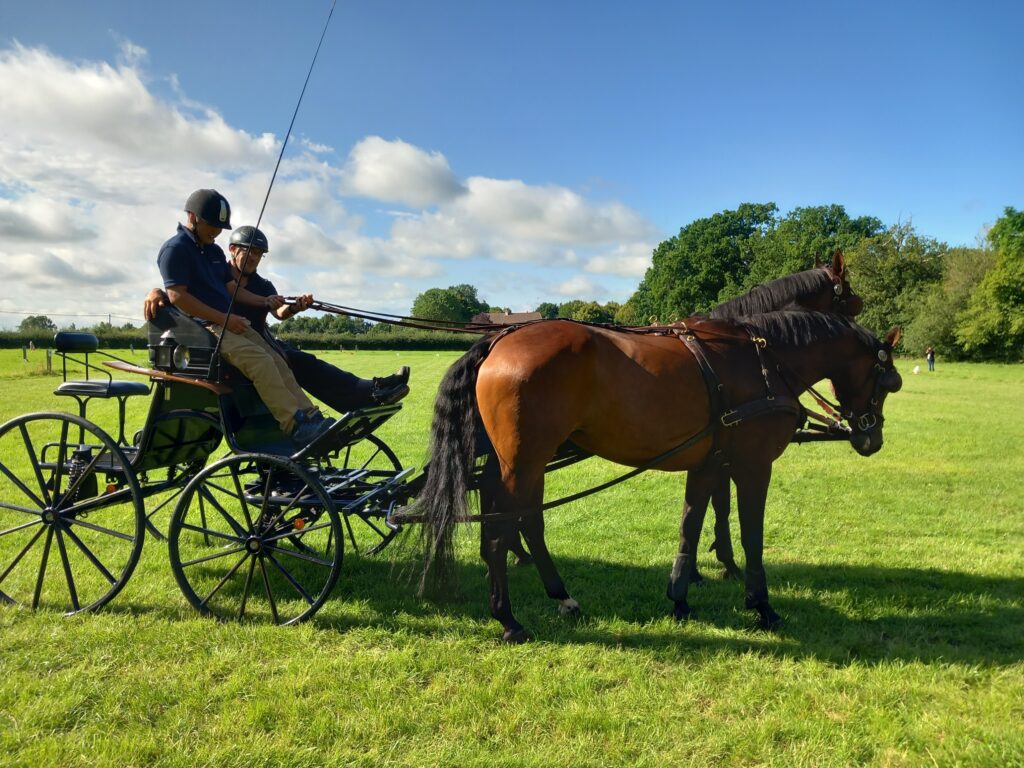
{"points": [[217, 389]]}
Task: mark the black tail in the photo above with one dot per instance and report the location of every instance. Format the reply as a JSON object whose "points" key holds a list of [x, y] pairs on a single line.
{"points": [[452, 447]]}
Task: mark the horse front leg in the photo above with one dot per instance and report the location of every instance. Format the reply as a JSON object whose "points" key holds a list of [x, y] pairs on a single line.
{"points": [[532, 528], [722, 545], [751, 493], [699, 486]]}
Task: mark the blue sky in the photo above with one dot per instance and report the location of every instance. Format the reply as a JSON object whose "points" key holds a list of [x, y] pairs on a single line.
{"points": [[537, 150]]}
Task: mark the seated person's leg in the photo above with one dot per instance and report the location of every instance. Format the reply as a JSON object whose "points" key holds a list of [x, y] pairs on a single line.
{"points": [[250, 354], [341, 390]]}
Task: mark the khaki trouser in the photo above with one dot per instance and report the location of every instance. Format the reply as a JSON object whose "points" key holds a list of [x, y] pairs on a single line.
{"points": [[252, 355]]}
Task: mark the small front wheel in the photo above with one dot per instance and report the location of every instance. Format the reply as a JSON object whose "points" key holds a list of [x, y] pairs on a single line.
{"points": [[255, 537]]}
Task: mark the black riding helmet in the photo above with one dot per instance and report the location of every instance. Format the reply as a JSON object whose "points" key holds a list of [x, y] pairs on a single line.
{"points": [[210, 206], [250, 237]]}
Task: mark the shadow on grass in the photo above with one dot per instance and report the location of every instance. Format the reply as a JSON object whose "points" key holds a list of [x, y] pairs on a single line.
{"points": [[840, 614]]}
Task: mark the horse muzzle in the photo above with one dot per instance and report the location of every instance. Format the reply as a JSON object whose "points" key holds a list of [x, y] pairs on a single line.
{"points": [[867, 443]]}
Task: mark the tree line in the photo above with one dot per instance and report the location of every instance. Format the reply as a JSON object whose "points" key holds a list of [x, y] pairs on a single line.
{"points": [[966, 302]]}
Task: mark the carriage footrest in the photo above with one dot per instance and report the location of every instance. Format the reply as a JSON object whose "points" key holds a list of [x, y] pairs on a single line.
{"points": [[348, 430]]}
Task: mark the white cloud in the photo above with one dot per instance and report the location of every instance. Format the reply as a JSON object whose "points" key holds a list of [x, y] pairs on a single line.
{"points": [[394, 171], [95, 168], [627, 260]]}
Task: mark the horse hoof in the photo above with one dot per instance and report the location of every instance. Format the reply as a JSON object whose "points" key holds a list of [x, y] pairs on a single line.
{"points": [[769, 620], [569, 608], [696, 577], [683, 612], [732, 572], [515, 636]]}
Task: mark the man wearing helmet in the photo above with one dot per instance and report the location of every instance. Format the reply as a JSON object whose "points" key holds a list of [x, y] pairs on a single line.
{"points": [[199, 282], [339, 389]]}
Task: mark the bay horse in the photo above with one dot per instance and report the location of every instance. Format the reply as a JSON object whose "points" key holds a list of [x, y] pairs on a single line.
{"points": [[631, 398], [825, 288]]}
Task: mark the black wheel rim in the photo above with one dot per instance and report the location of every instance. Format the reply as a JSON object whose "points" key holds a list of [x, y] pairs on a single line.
{"points": [[71, 514], [255, 538]]}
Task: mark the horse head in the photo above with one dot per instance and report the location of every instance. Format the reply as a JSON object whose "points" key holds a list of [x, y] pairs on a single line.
{"points": [[844, 300], [862, 387]]}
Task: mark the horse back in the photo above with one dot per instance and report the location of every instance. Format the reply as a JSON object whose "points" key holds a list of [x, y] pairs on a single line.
{"points": [[627, 397]]}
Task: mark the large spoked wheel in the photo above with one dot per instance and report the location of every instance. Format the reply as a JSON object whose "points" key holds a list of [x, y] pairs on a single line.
{"points": [[72, 518], [355, 499], [255, 537]]}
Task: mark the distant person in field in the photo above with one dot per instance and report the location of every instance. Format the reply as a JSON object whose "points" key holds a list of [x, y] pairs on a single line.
{"points": [[929, 355], [339, 389]]}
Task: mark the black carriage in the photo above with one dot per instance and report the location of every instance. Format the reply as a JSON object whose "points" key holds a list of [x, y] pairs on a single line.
{"points": [[253, 528]]}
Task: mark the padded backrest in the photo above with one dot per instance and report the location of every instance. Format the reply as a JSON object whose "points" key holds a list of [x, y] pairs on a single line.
{"points": [[71, 341]]}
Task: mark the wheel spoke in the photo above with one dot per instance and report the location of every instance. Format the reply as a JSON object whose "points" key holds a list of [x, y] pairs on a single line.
{"points": [[235, 525], [288, 508], [240, 493], [21, 554], [216, 555], [29, 524], [42, 567], [97, 502], [62, 456], [291, 579], [33, 459], [297, 533], [270, 592], [23, 488], [89, 554], [67, 570], [211, 532], [223, 581], [89, 468], [247, 588], [99, 528], [302, 556]]}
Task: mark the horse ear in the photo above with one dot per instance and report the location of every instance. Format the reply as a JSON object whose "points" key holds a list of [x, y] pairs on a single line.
{"points": [[817, 262], [892, 338], [838, 262]]}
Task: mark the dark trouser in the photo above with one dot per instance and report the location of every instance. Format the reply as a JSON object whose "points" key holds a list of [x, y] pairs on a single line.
{"points": [[332, 386]]}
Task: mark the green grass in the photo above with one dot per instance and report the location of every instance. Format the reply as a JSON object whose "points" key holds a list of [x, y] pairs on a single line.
{"points": [[901, 579]]}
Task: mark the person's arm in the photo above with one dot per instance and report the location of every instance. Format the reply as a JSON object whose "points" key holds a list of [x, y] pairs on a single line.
{"points": [[250, 299], [190, 305], [154, 300], [301, 304]]}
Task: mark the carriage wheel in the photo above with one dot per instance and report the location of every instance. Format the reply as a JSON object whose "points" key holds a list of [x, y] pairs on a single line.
{"points": [[372, 454], [72, 518], [255, 537]]}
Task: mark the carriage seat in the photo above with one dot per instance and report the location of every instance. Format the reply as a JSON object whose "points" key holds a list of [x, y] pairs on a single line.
{"points": [[68, 342]]}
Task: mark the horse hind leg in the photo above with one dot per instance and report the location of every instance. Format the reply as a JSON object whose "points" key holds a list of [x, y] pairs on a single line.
{"points": [[532, 529], [496, 538]]}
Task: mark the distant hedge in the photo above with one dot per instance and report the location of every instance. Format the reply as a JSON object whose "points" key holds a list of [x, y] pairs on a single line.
{"points": [[398, 339]]}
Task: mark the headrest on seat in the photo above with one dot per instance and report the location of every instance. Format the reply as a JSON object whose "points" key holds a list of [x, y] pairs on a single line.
{"points": [[75, 341]]}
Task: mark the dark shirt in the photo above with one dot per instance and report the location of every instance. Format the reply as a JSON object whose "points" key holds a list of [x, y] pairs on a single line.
{"points": [[203, 270], [257, 316]]}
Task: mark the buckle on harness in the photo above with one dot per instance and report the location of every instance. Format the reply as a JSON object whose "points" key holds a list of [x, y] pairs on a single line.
{"points": [[731, 418]]}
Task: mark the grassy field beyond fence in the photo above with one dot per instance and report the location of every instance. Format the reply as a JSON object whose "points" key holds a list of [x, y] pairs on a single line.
{"points": [[900, 577]]}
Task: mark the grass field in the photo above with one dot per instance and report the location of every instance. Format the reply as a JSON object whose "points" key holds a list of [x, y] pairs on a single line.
{"points": [[901, 579]]}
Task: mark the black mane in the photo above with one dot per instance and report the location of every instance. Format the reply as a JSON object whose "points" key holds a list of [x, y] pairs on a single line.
{"points": [[799, 327], [774, 295]]}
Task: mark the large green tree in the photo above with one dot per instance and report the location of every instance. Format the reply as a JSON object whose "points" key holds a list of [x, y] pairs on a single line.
{"points": [[992, 325], [690, 271], [892, 272], [457, 303], [37, 323]]}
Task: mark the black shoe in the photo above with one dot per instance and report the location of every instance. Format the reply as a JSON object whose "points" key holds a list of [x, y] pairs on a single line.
{"points": [[391, 389], [308, 429]]}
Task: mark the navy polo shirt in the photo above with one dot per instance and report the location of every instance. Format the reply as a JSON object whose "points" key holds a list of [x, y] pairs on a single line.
{"points": [[204, 271], [257, 316]]}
